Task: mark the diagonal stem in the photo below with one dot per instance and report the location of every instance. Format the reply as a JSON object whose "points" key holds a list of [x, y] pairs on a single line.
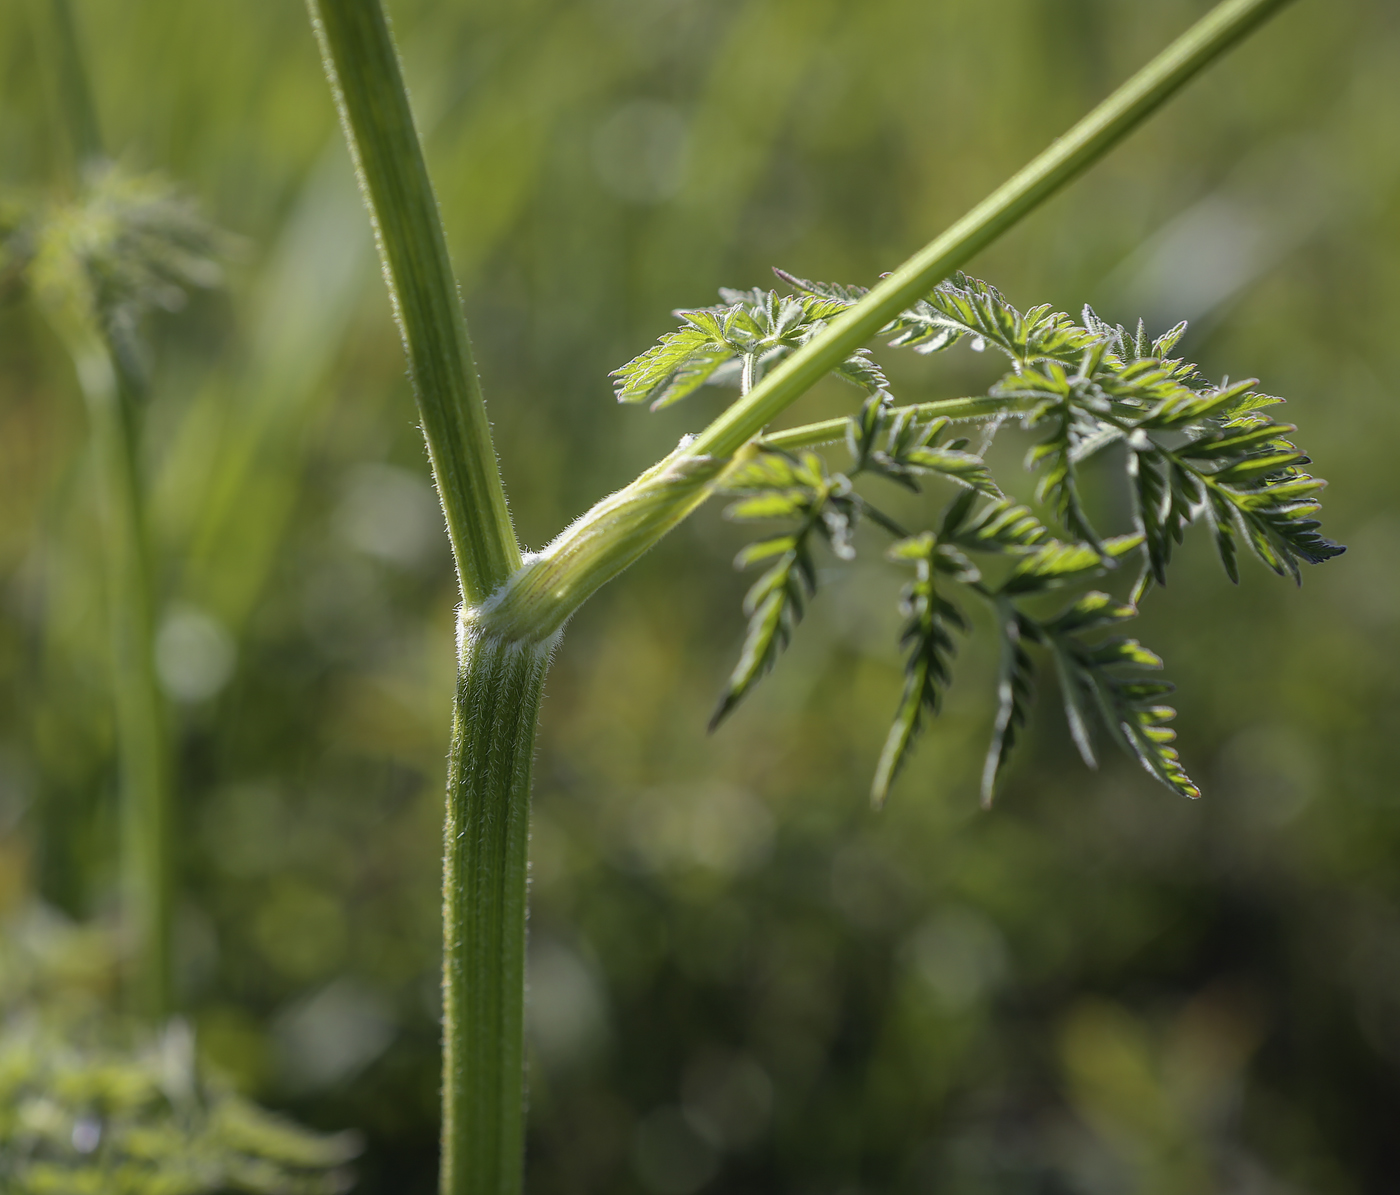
{"points": [[1063, 161], [624, 526], [362, 65]]}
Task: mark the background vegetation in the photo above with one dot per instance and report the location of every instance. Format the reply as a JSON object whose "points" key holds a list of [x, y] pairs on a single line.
{"points": [[742, 979]]}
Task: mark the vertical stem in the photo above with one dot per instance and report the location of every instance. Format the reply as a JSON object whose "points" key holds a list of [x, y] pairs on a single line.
{"points": [[74, 94], [485, 834], [143, 736], [499, 682], [66, 81], [143, 742]]}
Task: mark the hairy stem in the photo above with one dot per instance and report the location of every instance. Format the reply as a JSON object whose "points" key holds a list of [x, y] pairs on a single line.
{"points": [[483, 911], [500, 681], [363, 68]]}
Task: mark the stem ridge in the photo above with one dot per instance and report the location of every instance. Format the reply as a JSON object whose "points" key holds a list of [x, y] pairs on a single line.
{"points": [[485, 846]]}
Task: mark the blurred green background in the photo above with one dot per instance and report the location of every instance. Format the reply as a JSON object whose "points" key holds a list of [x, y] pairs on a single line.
{"points": [[742, 979]]}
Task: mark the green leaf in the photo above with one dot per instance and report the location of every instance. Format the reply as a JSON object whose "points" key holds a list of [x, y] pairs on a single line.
{"points": [[928, 639], [1014, 693], [1167, 340], [860, 370], [1252, 468], [1055, 564], [1245, 412], [1215, 445], [771, 504], [962, 467], [775, 605], [1001, 526], [793, 486], [1102, 678], [1090, 612], [1182, 408], [671, 370], [777, 471], [764, 549], [964, 307], [1166, 497], [834, 291]]}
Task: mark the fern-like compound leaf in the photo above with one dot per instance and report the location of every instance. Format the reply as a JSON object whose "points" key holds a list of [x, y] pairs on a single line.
{"points": [[1015, 689], [736, 341], [1195, 451], [928, 639], [897, 445], [776, 485], [672, 369], [1103, 679]]}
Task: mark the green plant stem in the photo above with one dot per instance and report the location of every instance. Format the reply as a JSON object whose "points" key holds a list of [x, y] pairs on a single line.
{"points": [[486, 828], [113, 398], [485, 834], [1064, 160], [363, 68], [542, 596], [143, 740], [514, 611]]}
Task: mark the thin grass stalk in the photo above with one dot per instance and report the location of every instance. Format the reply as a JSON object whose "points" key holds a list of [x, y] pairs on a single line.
{"points": [[143, 733], [114, 397], [74, 90]]}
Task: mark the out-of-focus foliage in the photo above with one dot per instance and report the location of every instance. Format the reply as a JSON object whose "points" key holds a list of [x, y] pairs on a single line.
{"points": [[126, 245], [741, 976], [87, 1106]]}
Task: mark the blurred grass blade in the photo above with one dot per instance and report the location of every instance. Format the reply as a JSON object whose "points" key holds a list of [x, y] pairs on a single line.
{"points": [[231, 479], [68, 80]]}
